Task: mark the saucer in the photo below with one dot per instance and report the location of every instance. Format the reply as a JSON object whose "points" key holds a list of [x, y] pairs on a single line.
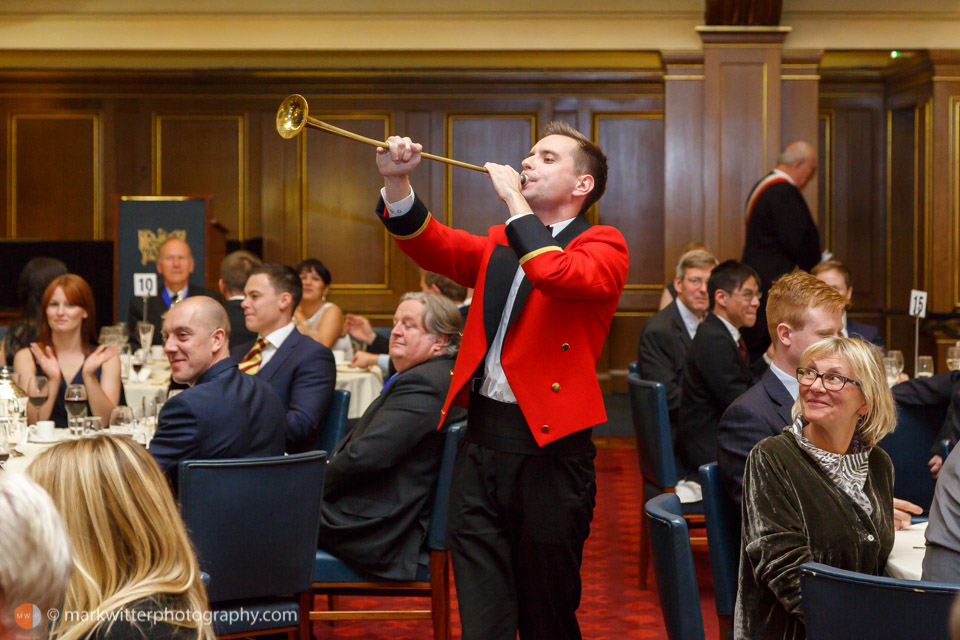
{"points": [[35, 440]]}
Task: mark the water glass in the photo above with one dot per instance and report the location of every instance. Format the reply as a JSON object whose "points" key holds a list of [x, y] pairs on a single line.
{"points": [[953, 358], [892, 369], [121, 419], [109, 336], [924, 366], [92, 425], [17, 426], [897, 355], [123, 333]]}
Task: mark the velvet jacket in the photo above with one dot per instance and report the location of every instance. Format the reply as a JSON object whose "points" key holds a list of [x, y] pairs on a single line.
{"points": [[793, 513]]}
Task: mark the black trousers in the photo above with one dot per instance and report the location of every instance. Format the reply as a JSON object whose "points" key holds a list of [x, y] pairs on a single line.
{"points": [[519, 517]]}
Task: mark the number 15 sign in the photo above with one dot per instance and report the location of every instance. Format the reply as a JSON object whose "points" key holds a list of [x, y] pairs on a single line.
{"points": [[918, 303]]}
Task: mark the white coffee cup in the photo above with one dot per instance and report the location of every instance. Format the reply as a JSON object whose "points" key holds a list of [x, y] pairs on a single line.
{"points": [[43, 431], [156, 353], [339, 356]]}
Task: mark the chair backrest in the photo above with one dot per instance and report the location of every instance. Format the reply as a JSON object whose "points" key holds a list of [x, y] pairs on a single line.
{"points": [[909, 447], [254, 522], [723, 538], [437, 532], [850, 605], [673, 565], [335, 426], [651, 423]]}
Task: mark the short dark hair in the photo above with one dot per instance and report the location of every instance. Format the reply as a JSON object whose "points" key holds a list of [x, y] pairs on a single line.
{"points": [[729, 275], [590, 161], [312, 264], [236, 268], [283, 279], [447, 287]]}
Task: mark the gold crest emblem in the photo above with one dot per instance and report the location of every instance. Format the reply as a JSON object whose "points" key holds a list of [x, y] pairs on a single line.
{"points": [[149, 242]]}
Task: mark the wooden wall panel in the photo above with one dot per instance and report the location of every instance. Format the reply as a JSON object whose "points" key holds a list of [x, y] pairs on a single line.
{"points": [[633, 201], [200, 154], [55, 176], [470, 203], [341, 185], [903, 244]]}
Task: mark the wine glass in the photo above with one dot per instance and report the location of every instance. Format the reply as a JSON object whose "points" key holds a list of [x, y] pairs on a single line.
{"points": [[121, 419], [75, 402], [16, 428], [145, 331], [137, 361], [924, 367], [38, 391]]}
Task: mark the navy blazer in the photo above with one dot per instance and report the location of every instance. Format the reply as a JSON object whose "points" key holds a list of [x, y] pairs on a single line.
{"points": [[226, 414], [303, 373], [378, 485], [763, 411], [865, 332]]}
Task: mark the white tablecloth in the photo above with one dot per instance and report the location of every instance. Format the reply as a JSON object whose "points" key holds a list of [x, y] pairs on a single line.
{"points": [[156, 386], [906, 557], [363, 384], [31, 450]]}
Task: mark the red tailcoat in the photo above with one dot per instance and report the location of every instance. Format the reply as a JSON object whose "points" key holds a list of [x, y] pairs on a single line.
{"points": [[551, 348]]}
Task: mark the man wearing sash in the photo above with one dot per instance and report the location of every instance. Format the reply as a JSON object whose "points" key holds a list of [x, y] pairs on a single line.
{"points": [[781, 232]]}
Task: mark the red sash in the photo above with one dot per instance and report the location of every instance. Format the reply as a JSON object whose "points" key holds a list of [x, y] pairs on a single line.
{"points": [[773, 178]]}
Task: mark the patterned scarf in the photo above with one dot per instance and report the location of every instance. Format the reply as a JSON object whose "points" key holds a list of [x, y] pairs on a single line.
{"points": [[848, 471]]}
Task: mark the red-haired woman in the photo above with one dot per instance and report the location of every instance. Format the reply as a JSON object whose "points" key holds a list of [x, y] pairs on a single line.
{"points": [[64, 353]]}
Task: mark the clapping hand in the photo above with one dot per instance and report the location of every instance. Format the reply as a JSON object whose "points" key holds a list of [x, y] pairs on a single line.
{"points": [[47, 361], [100, 355]]}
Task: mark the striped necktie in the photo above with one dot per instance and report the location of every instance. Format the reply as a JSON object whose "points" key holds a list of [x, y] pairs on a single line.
{"points": [[251, 362]]}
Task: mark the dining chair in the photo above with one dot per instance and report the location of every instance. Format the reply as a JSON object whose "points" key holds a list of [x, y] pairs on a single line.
{"points": [[909, 447], [332, 577], [840, 604], [723, 541], [673, 567], [335, 424], [255, 542], [658, 469]]}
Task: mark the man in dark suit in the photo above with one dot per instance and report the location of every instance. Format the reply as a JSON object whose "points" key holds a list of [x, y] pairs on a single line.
{"points": [[781, 232], [222, 413], [234, 271], [801, 310], [174, 264], [717, 368], [378, 485], [667, 335], [836, 274], [301, 370]]}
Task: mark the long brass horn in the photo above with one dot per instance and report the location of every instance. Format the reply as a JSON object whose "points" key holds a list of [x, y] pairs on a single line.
{"points": [[293, 116]]}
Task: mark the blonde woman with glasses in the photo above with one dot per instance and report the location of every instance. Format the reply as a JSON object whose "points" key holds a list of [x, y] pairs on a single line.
{"points": [[822, 491], [135, 574]]}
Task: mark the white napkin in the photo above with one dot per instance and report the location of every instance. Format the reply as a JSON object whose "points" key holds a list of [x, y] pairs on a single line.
{"points": [[143, 376]]}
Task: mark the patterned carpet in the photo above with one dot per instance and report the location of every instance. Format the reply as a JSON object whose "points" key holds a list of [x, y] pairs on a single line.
{"points": [[612, 606]]}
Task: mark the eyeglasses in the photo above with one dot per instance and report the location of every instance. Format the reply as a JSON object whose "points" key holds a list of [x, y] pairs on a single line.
{"points": [[830, 381], [749, 295], [695, 282]]}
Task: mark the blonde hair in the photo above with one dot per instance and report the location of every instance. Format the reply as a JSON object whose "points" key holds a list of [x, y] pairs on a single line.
{"points": [[866, 367], [128, 539], [35, 564], [793, 294]]}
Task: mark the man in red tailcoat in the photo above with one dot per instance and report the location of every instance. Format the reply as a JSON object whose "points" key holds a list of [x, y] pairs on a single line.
{"points": [[546, 286]]}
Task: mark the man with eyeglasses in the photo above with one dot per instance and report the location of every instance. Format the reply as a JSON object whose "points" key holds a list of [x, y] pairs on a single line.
{"points": [[668, 334], [717, 368]]}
